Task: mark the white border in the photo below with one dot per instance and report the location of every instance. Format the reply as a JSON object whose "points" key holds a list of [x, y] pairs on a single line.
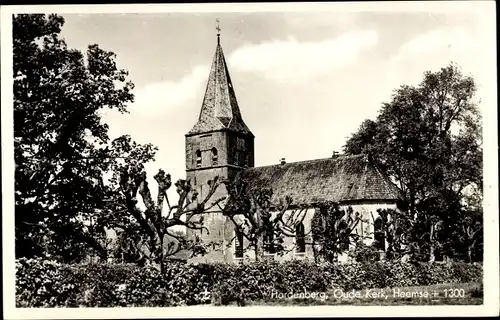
{"points": [[371, 6], [491, 286]]}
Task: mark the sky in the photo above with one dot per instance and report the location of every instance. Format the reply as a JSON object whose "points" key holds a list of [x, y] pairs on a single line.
{"points": [[304, 80]]}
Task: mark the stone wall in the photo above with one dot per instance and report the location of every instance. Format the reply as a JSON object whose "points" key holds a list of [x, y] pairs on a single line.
{"points": [[232, 149], [234, 152], [222, 232], [368, 211], [204, 143]]}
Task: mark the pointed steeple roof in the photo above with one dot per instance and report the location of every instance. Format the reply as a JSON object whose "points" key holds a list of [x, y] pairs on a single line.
{"points": [[219, 109]]}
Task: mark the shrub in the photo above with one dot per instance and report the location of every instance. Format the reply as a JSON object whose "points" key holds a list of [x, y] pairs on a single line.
{"points": [[99, 283], [364, 253], [42, 283]]}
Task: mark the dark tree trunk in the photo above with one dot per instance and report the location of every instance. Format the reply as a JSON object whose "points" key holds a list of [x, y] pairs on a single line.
{"points": [[258, 250], [162, 263]]}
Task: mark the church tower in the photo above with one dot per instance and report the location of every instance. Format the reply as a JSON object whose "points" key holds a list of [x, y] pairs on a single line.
{"points": [[220, 143]]}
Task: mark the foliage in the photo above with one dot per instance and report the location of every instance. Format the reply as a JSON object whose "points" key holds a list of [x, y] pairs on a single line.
{"points": [[72, 183], [61, 146], [152, 226], [262, 222], [364, 253], [427, 138], [42, 283], [332, 230], [478, 292]]}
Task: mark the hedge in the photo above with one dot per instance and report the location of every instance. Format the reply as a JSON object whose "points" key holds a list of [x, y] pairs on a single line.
{"points": [[41, 283]]}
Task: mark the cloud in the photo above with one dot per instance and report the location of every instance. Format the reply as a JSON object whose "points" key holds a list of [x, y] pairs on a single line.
{"points": [[287, 60], [448, 41], [291, 60], [443, 39], [159, 97], [313, 21], [436, 49]]}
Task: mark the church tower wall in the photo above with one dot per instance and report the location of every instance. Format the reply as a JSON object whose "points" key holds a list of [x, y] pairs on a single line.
{"points": [[234, 153], [220, 144]]}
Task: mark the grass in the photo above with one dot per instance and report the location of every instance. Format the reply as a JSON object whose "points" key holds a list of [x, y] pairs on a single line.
{"points": [[431, 295]]}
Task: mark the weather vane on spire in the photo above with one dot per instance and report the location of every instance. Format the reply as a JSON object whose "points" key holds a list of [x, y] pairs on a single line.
{"points": [[217, 27]]}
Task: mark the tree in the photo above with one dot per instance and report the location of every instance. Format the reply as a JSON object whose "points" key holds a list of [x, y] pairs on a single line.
{"points": [[261, 222], [333, 230], [363, 139], [400, 231], [151, 224], [467, 237], [59, 138], [72, 183], [428, 140], [265, 224]]}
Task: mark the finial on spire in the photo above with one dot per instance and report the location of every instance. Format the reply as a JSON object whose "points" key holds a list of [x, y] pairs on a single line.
{"points": [[218, 30]]}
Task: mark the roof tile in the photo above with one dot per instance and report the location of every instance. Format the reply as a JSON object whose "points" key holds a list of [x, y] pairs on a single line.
{"points": [[343, 178]]}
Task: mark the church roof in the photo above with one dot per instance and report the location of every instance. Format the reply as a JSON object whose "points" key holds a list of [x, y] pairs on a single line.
{"points": [[341, 179], [220, 109]]}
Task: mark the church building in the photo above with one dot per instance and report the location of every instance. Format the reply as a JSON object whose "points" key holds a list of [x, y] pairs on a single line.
{"points": [[221, 144]]}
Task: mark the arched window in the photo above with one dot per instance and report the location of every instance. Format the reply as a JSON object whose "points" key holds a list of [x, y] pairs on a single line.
{"points": [[214, 156], [344, 234], [198, 158], [300, 238], [379, 234], [268, 236], [238, 244]]}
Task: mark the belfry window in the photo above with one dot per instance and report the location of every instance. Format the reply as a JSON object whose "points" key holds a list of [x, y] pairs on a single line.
{"points": [[234, 155], [215, 159], [300, 240], [198, 158], [246, 159]]}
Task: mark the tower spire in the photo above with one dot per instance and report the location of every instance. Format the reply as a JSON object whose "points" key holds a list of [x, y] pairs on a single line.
{"points": [[218, 30], [219, 110]]}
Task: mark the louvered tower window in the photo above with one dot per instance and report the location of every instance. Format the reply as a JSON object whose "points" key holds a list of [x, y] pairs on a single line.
{"points": [[215, 158], [198, 158]]}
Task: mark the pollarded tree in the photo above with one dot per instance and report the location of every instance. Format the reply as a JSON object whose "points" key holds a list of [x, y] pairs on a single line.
{"points": [[333, 230], [265, 224], [154, 227], [397, 229], [262, 223]]}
